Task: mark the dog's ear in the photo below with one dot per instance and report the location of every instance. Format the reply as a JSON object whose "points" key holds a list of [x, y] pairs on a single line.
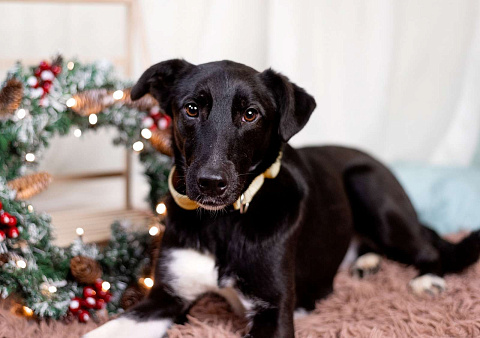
{"points": [[294, 104], [158, 81]]}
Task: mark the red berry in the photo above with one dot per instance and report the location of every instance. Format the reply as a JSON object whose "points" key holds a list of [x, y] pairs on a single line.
{"points": [[1, 206], [155, 115], [100, 304], [88, 291], [44, 65], [168, 118], [37, 72], [83, 316], [163, 123], [101, 294], [47, 86], [56, 69], [2, 236], [90, 302], [74, 305], [12, 232], [107, 297], [12, 221], [5, 218], [98, 285]]}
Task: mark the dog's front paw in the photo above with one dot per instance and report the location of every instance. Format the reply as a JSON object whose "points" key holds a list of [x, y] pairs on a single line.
{"points": [[365, 265], [128, 328], [427, 284]]}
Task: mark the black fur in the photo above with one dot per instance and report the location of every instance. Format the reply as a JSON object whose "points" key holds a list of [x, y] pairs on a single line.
{"points": [[285, 251]]}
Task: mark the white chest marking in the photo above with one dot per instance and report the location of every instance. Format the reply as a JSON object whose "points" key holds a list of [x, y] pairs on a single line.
{"points": [[192, 273], [127, 328]]}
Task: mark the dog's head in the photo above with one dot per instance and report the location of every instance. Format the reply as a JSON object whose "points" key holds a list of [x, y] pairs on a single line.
{"points": [[229, 122]]}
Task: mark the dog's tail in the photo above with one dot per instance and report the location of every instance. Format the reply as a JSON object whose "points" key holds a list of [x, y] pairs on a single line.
{"points": [[455, 257]]}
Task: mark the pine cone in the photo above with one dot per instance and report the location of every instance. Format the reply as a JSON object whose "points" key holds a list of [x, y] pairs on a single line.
{"points": [[161, 140], [57, 60], [85, 270], [132, 295], [92, 101], [4, 258], [30, 185], [10, 97], [95, 100], [69, 318]]}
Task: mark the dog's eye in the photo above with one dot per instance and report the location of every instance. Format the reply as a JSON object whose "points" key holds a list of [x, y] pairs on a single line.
{"points": [[250, 115], [191, 109]]}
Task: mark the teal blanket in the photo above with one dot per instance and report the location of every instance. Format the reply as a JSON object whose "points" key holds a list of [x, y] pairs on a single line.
{"points": [[446, 199]]}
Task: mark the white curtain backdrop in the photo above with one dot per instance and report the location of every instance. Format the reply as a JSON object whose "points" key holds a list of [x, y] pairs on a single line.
{"points": [[400, 79]]}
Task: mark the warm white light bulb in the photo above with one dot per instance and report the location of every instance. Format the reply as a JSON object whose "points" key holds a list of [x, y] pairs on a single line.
{"points": [[28, 312], [93, 119], [153, 230], [148, 282], [105, 286], [30, 157], [77, 133], [161, 208], [146, 133], [30, 208], [21, 264], [118, 94], [52, 289], [70, 65], [71, 102], [21, 113], [138, 146], [80, 231]]}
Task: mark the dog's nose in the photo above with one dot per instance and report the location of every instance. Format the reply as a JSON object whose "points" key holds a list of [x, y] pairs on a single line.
{"points": [[212, 183]]}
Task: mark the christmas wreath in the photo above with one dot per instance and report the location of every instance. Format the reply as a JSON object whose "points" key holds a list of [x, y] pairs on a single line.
{"points": [[54, 98]]}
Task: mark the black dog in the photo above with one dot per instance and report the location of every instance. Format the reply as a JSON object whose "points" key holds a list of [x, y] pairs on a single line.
{"points": [[261, 223]]}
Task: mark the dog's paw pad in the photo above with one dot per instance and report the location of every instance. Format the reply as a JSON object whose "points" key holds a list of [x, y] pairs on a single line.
{"points": [[365, 265], [428, 284]]}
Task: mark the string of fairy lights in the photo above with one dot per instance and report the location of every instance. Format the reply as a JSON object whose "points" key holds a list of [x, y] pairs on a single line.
{"points": [[84, 99], [71, 102], [153, 230]]}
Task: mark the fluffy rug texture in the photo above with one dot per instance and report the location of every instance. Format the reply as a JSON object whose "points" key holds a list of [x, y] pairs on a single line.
{"points": [[377, 306]]}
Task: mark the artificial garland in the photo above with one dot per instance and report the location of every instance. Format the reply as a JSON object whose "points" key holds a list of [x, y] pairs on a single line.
{"points": [[37, 103]]}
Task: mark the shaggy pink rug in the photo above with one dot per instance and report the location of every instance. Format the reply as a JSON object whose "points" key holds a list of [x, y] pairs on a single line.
{"points": [[378, 306]]}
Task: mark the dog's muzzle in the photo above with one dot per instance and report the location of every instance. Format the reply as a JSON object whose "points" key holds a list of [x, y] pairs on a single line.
{"points": [[242, 203]]}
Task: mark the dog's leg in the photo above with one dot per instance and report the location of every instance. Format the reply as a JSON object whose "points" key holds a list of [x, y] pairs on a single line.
{"points": [[384, 215], [269, 306], [268, 321]]}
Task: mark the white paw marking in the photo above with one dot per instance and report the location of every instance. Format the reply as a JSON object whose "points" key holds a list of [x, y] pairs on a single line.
{"points": [[428, 284], [300, 313], [366, 264], [368, 261], [128, 328]]}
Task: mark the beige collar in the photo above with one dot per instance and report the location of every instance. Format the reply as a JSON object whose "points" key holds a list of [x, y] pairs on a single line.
{"points": [[242, 203]]}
